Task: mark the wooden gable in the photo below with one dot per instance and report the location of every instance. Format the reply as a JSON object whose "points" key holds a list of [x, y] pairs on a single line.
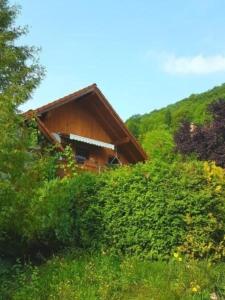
{"points": [[89, 115]]}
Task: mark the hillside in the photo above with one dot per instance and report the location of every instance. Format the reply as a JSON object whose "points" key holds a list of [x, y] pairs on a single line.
{"points": [[193, 108]]}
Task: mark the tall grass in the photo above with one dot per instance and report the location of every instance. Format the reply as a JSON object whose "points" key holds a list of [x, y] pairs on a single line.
{"points": [[105, 277]]}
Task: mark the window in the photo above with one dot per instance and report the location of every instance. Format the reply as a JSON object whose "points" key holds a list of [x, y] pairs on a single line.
{"points": [[112, 160], [81, 154]]}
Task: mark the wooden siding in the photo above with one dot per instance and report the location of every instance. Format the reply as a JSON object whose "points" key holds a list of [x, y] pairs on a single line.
{"points": [[75, 118], [86, 118]]}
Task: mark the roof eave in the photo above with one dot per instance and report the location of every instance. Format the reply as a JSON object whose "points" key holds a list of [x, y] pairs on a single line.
{"points": [[81, 93]]}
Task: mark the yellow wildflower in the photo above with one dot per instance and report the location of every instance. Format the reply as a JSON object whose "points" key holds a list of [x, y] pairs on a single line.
{"points": [[195, 288]]}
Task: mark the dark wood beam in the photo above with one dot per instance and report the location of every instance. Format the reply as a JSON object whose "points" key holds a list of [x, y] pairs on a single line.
{"points": [[127, 153], [122, 141]]}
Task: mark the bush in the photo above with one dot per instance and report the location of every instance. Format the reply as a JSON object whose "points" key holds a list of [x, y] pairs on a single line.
{"points": [[152, 210], [208, 141], [63, 212], [58, 213], [16, 199], [156, 209]]}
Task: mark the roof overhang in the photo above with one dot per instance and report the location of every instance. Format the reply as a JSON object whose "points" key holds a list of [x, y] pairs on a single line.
{"points": [[129, 143]]}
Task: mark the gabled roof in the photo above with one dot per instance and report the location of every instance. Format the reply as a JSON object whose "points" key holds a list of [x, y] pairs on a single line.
{"points": [[71, 97], [92, 89]]}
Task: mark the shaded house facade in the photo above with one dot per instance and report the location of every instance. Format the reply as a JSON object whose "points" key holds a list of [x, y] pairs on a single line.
{"points": [[86, 121]]}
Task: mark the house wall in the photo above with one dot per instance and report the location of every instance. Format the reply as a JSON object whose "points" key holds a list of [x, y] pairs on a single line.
{"points": [[77, 118], [99, 157]]}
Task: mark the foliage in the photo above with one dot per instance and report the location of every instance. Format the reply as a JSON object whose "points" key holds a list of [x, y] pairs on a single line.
{"points": [[75, 276], [19, 75], [193, 109], [150, 210], [159, 143], [68, 165], [39, 213], [60, 213], [21, 169], [19, 69], [207, 142], [166, 207], [133, 125], [15, 202], [63, 212]]}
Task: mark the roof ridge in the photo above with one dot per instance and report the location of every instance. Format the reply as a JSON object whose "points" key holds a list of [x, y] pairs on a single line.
{"points": [[63, 100]]}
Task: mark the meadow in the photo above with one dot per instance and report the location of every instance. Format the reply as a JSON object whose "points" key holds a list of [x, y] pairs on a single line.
{"points": [[100, 276]]}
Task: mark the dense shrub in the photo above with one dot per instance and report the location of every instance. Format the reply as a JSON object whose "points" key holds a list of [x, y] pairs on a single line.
{"points": [[156, 209], [15, 201], [207, 142], [151, 210], [64, 211], [58, 213]]}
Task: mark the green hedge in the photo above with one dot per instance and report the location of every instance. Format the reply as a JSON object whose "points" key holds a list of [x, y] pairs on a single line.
{"points": [[159, 208], [152, 210], [65, 211], [60, 213]]}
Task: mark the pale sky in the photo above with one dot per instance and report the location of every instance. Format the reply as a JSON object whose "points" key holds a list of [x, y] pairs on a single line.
{"points": [[142, 54]]}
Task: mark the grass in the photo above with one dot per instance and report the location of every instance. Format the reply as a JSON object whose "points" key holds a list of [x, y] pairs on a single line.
{"points": [[98, 277]]}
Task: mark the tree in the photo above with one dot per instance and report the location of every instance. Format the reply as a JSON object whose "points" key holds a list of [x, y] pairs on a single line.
{"points": [[133, 125], [159, 144], [18, 77], [168, 118], [207, 142], [20, 74]]}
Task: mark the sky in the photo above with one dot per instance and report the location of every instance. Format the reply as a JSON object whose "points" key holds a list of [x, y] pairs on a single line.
{"points": [[143, 54]]}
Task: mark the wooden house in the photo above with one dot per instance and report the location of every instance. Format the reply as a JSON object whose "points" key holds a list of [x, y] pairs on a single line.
{"points": [[87, 122]]}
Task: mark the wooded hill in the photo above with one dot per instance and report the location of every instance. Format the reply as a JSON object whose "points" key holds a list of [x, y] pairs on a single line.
{"points": [[193, 108]]}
